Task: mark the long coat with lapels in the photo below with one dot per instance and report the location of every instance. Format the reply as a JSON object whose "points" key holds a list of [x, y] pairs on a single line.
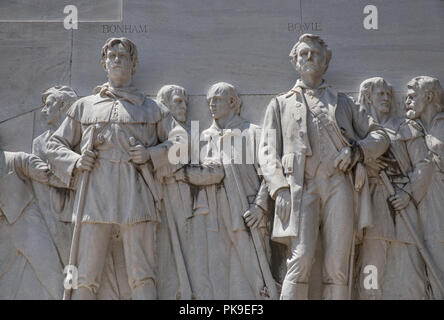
{"points": [[284, 154]]}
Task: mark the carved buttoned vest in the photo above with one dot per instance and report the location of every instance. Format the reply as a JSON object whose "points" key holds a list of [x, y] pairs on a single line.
{"points": [[323, 149]]}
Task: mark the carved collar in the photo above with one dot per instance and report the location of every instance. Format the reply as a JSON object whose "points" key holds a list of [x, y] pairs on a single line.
{"points": [[310, 91], [130, 94], [235, 122]]}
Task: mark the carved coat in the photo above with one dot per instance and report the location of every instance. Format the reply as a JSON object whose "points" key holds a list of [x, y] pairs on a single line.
{"points": [[411, 173], [30, 267], [431, 207], [116, 191], [233, 264], [284, 157], [187, 204]]}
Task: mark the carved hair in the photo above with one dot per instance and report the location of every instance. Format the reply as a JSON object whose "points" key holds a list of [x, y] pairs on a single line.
{"points": [[226, 89], [429, 85], [309, 38], [127, 44], [366, 89], [166, 92], [63, 93]]}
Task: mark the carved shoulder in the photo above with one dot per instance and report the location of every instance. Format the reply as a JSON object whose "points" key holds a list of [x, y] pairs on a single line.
{"points": [[410, 129]]}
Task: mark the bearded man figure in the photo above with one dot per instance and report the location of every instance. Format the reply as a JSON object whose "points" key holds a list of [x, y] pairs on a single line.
{"points": [[387, 244], [321, 136], [425, 106]]}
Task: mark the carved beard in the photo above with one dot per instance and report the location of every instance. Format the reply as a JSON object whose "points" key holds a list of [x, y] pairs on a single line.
{"points": [[309, 68], [411, 114]]}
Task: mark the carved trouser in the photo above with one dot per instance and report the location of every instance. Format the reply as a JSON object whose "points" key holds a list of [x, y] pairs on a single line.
{"points": [[327, 206], [436, 250], [139, 248], [400, 272]]}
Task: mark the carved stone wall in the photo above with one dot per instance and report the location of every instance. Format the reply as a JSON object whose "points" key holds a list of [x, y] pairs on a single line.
{"points": [[197, 43]]}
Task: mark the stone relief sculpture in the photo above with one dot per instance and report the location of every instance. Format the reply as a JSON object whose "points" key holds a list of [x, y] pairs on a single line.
{"points": [[425, 105], [238, 263], [387, 244], [112, 189], [56, 204], [322, 136], [119, 123], [185, 205], [30, 266]]}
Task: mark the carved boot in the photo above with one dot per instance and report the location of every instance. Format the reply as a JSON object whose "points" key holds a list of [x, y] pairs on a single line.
{"points": [[335, 292], [294, 291], [83, 293]]}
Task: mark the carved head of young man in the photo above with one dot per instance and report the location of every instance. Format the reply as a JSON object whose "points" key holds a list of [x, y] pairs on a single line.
{"points": [[56, 100], [120, 60], [310, 56], [424, 96], [224, 102], [175, 99], [376, 95]]}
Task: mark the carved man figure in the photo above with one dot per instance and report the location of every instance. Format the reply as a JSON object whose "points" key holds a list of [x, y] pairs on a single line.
{"points": [[234, 260], [387, 244], [424, 104], [55, 203], [320, 136], [118, 201], [30, 267], [185, 204]]}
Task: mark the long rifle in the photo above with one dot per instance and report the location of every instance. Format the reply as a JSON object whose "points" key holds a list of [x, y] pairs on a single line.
{"points": [[270, 289], [79, 204], [422, 249], [185, 287]]}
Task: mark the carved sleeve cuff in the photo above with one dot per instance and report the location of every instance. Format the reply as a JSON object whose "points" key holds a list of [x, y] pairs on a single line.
{"points": [[374, 145], [274, 192], [159, 155]]}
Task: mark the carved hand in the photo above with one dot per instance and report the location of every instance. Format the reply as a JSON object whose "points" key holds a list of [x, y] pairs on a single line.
{"points": [[343, 159], [38, 169], [139, 154], [253, 216], [283, 205], [381, 163], [86, 161], [400, 200]]}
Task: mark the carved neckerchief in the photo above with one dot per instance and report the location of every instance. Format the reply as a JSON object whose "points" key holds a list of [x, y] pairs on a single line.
{"points": [[130, 94]]}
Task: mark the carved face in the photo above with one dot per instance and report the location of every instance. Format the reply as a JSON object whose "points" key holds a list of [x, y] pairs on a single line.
{"points": [[310, 58], [415, 103], [381, 98], [118, 63], [220, 106], [178, 106], [51, 109]]}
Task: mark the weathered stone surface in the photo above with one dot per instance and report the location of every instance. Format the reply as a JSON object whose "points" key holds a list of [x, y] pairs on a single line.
{"points": [[195, 44], [408, 42], [34, 57], [52, 10], [16, 134]]}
